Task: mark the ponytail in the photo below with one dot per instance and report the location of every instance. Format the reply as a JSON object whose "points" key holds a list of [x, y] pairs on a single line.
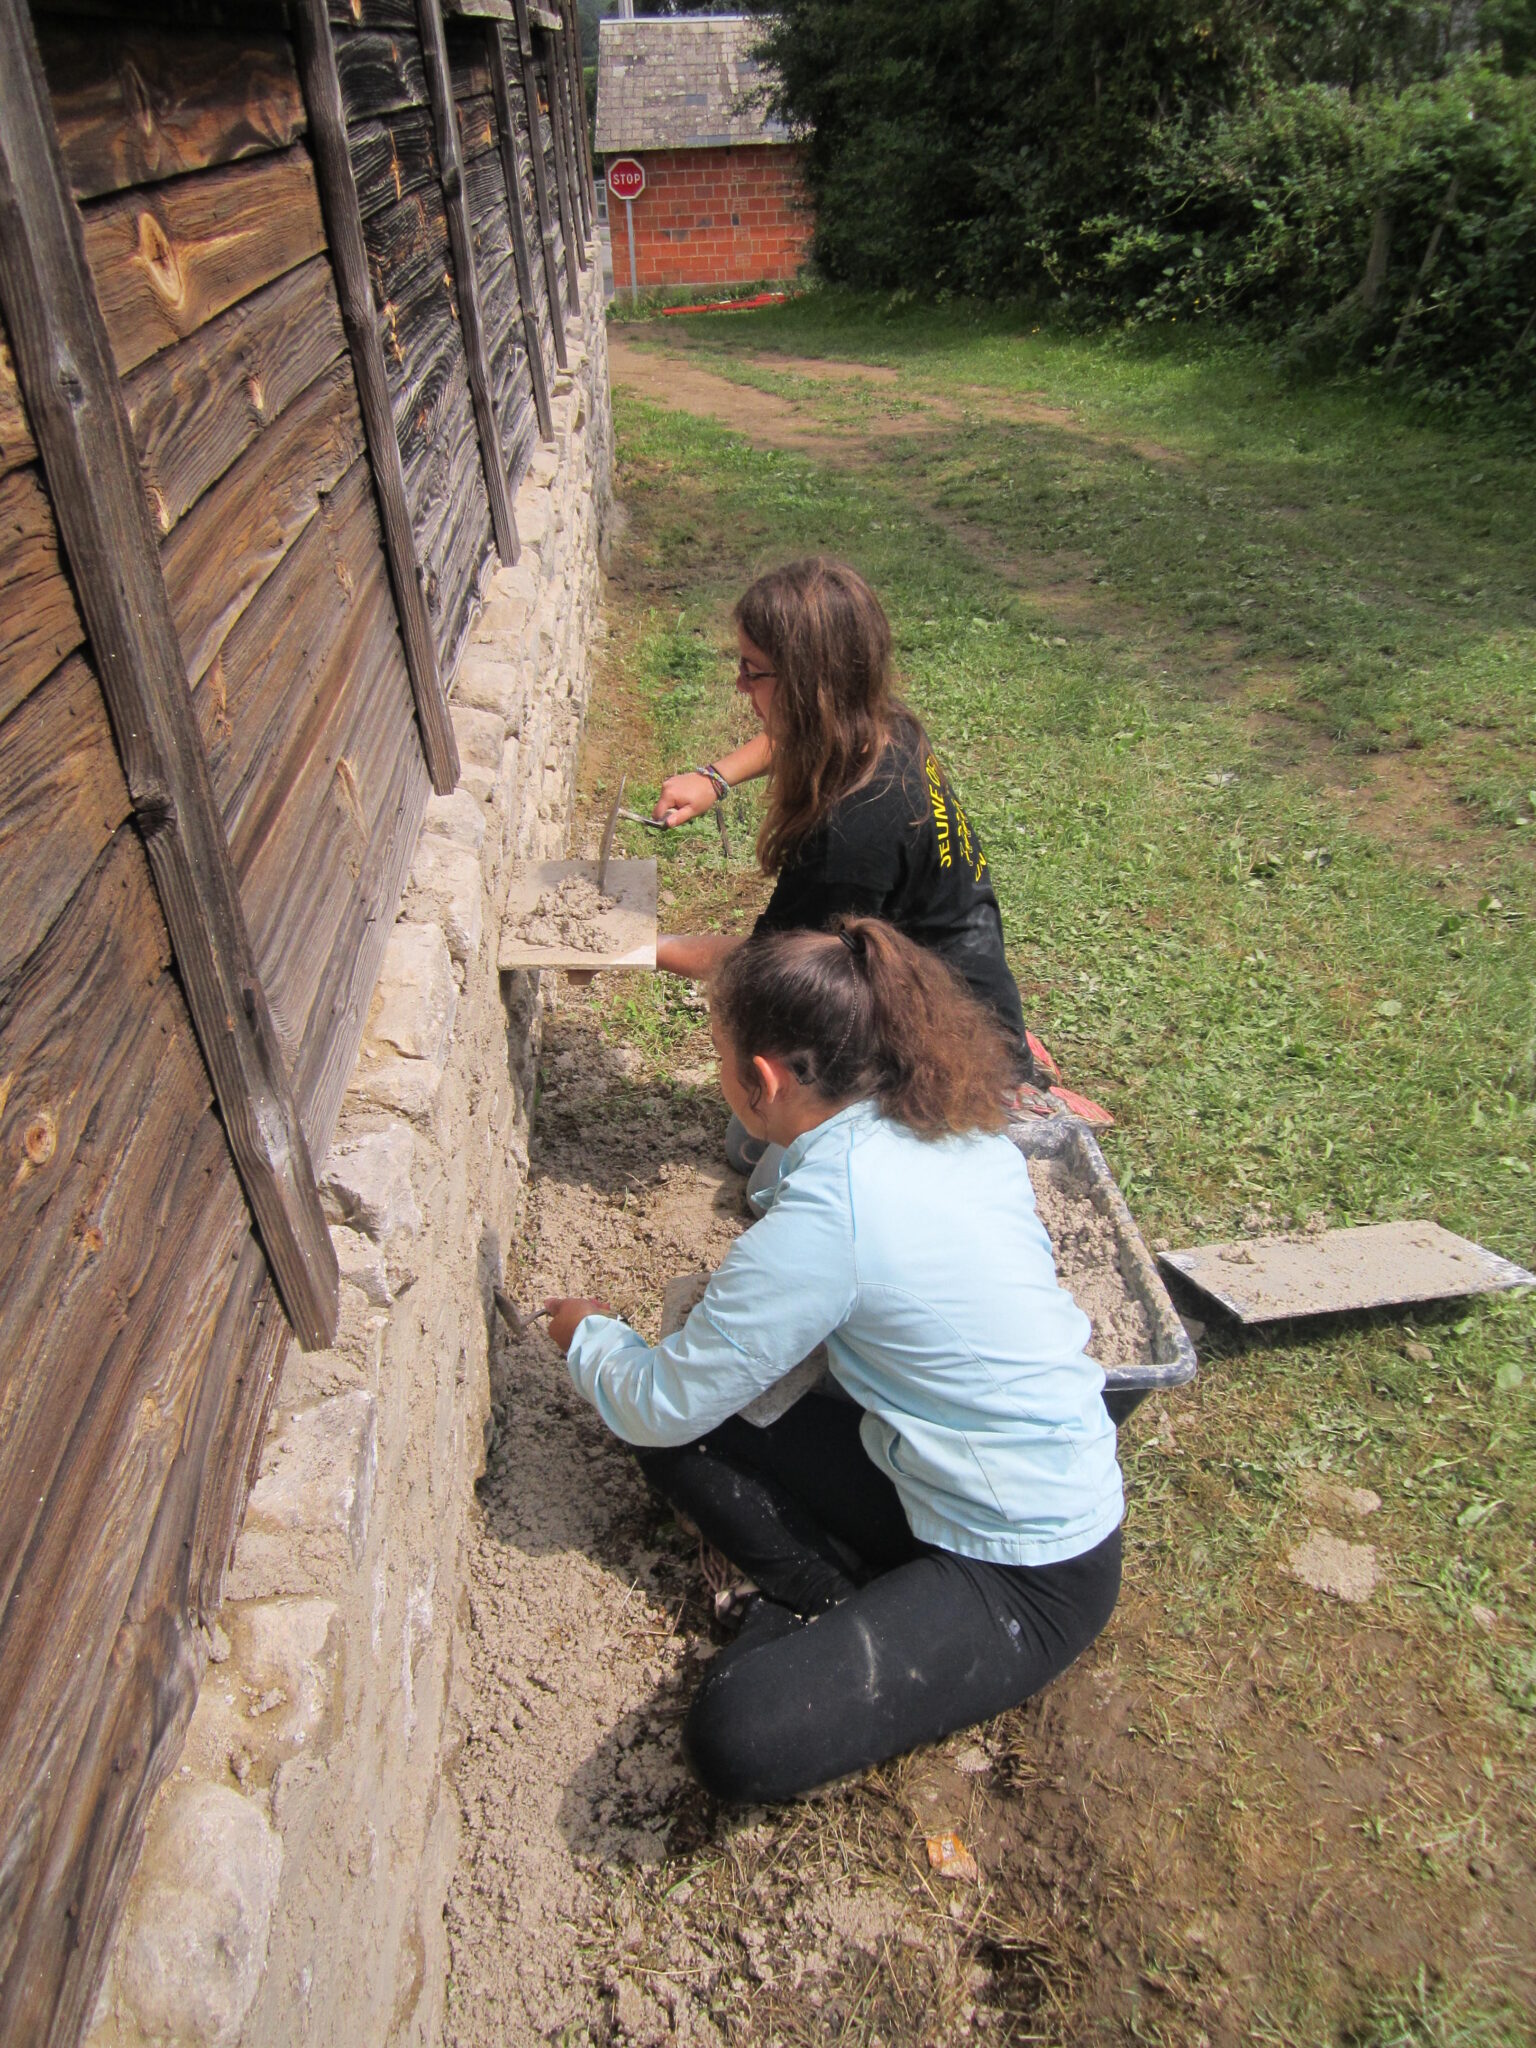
{"points": [[861, 1013]]}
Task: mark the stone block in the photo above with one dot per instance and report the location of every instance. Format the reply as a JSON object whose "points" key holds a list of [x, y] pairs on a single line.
{"points": [[457, 817], [416, 997], [366, 1183], [306, 1524], [361, 1263], [199, 1916], [507, 791], [288, 1653], [445, 887], [520, 584], [407, 1088], [501, 623], [490, 679], [480, 734], [276, 1695], [533, 514], [544, 467]]}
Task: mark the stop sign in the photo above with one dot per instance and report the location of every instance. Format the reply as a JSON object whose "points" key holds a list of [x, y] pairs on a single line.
{"points": [[626, 177]]}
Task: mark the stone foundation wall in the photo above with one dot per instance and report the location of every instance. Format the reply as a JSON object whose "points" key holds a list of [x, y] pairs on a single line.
{"points": [[295, 1865]]}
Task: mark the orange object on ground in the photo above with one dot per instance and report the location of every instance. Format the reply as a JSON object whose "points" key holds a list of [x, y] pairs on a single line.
{"points": [[1044, 1060], [949, 1857], [1091, 1112], [730, 305]]}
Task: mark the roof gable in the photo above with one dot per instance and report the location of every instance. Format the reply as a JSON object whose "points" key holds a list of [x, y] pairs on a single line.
{"points": [[679, 82]]}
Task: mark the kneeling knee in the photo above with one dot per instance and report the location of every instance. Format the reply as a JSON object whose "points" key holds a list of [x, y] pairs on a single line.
{"points": [[721, 1744]]}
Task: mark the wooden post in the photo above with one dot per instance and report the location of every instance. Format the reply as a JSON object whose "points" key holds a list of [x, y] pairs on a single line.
{"points": [[540, 182], [573, 30], [570, 224], [359, 319], [69, 383], [570, 84], [434, 51], [501, 87]]}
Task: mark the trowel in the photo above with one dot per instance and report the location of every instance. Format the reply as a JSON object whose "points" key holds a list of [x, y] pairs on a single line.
{"points": [[651, 825], [606, 849]]}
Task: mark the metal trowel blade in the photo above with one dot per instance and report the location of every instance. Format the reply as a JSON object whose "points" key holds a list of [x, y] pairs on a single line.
{"points": [[606, 848]]}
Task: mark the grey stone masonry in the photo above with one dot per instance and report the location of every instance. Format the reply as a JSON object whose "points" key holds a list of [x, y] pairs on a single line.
{"points": [[686, 81], [295, 1865]]}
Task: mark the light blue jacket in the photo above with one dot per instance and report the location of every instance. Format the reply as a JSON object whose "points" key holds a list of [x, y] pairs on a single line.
{"points": [[925, 1268]]}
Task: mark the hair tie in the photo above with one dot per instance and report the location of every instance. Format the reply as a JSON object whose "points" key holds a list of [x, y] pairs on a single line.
{"points": [[854, 941]]}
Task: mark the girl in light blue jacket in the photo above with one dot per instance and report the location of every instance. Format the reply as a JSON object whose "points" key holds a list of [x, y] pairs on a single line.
{"points": [[940, 1544]]}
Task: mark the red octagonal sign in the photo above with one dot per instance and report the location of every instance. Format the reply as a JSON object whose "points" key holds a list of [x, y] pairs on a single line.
{"points": [[626, 177]]}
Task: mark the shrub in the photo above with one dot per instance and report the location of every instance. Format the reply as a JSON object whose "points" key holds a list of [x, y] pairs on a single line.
{"points": [[1398, 228]]}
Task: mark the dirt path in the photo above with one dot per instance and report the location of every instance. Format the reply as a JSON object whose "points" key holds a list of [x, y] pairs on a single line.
{"points": [[1061, 585], [575, 1650]]}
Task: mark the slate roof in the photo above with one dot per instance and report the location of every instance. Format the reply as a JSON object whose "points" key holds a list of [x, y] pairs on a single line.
{"points": [[677, 82]]}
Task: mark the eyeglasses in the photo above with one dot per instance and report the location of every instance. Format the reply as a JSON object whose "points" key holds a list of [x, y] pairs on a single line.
{"points": [[753, 675]]}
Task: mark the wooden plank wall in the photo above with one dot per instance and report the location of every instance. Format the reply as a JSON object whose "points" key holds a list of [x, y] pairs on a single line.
{"points": [[139, 1330], [540, 71], [485, 190], [542, 231], [140, 1334], [384, 92]]}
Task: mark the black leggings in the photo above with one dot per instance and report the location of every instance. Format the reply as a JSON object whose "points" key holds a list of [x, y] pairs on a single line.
{"points": [[867, 1642]]}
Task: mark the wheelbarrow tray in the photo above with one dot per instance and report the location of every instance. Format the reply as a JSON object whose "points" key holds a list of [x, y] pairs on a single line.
{"points": [[1084, 1173]]}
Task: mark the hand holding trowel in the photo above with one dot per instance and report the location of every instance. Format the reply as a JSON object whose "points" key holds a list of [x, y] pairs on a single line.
{"points": [[654, 825]]}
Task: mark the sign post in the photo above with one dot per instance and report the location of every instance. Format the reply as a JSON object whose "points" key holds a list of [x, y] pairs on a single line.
{"points": [[626, 181]]}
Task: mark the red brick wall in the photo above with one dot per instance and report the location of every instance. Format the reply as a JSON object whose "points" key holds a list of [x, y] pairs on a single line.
{"points": [[714, 216]]}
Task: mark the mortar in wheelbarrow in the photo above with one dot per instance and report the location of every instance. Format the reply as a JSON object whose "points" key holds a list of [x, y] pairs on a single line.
{"points": [[1101, 1259]]}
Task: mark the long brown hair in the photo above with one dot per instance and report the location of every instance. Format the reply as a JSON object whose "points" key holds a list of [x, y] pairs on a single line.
{"points": [[829, 640], [860, 1012]]}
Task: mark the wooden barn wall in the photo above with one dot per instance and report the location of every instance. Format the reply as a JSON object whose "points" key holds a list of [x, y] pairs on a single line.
{"points": [[487, 197], [405, 228], [541, 232], [544, 85], [139, 1330]]}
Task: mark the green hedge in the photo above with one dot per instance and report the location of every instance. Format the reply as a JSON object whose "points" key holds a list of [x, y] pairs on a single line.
{"points": [[1184, 159], [1275, 212]]}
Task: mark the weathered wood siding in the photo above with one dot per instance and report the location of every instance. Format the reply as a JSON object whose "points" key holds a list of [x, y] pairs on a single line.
{"points": [[140, 1332], [540, 73], [489, 203], [536, 213], [384, 89]]}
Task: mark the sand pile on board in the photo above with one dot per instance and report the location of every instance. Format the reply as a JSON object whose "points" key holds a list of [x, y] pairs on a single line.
{"points": [[574, 915], [1088, 1266]]}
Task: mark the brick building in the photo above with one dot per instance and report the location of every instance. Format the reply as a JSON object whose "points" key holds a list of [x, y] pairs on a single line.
{"points": [[724, 200]]}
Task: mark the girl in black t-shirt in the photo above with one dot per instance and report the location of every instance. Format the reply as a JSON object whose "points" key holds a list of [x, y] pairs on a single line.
{"points": [[861, 817]]}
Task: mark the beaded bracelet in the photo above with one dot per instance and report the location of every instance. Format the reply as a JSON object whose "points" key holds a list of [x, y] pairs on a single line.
{"points": [[717, 781]]}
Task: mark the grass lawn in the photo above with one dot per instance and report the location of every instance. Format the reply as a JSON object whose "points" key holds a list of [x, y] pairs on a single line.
{"points": [[1237, 682]]}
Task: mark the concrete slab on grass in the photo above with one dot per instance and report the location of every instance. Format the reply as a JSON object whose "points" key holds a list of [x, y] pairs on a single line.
{"points": [[1377, 1265]]}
